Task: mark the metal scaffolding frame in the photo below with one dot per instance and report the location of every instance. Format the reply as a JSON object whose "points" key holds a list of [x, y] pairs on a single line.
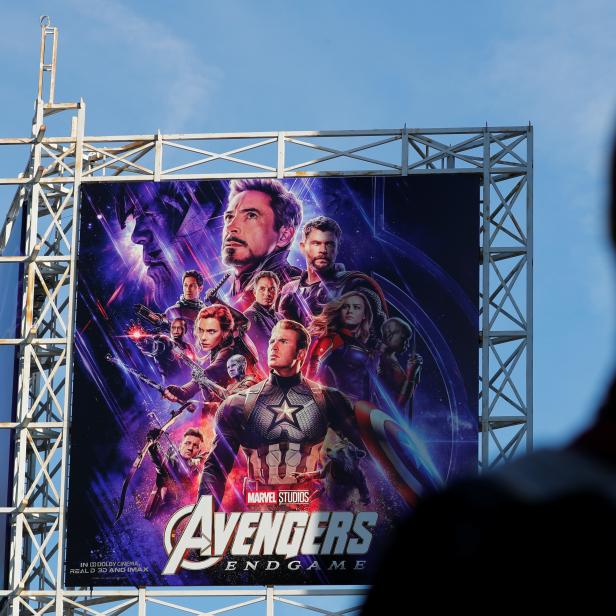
{"points": [[47, 192]]}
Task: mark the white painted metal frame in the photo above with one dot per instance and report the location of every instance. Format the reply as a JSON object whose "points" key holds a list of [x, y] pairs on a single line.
{"points": [[48, 191]]}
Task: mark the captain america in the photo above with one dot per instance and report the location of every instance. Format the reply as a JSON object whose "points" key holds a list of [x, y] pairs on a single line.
{"points": [[279, 424]]}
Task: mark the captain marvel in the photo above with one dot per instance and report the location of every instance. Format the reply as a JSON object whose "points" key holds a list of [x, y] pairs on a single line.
{"points": [[339, 355]]}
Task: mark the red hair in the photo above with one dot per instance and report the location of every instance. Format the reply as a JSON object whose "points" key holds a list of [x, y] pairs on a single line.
{"points": [[219, 312]]}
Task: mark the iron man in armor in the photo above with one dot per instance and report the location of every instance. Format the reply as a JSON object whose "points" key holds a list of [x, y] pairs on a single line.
{"points": [[280, 423]]}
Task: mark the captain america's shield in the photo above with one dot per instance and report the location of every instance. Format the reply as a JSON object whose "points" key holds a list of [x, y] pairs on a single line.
{"points": [[401, 456]]}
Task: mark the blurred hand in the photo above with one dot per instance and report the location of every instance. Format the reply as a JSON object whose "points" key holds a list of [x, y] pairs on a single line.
{"points": [[172, 393], [414, 360], [154, 434]]}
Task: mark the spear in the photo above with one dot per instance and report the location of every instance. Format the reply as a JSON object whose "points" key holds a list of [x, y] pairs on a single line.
{"points": [[142, 377]]}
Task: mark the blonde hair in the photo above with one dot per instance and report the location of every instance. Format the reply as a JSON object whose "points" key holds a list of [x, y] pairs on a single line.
{"points": [[329, 320]]}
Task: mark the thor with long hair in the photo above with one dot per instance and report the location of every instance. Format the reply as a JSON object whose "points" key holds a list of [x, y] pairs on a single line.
{"points": [[325, 279]]}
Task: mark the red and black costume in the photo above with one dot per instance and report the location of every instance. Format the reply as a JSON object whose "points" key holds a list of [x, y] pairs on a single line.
{"points": [[400, 383], [342, 361]]}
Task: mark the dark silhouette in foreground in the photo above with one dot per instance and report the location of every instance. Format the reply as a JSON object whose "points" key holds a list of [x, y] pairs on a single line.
{"points": [[540, 531]]}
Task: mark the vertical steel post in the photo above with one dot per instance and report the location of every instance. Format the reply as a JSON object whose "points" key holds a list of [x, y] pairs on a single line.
{"points": [[269, 601], [529, 289], [405, 151], [44, 22], [31, 250], [158, 156], [281, 156], [142, 606], [79, 134], [485, 305], [54, 59], [47, 30]]}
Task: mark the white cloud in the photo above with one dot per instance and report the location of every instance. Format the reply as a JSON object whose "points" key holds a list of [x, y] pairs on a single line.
{"points": [[558, 66], [183, 82]]}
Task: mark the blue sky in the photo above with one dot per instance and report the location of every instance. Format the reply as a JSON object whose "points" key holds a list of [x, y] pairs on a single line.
{"points": [[196, 66]]}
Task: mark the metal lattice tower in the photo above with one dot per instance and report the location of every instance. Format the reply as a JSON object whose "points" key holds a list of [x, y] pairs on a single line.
{"points": [[47, 193]]}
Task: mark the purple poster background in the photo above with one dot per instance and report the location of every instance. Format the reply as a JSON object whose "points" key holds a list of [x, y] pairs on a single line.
{"points": [[414, 240]]}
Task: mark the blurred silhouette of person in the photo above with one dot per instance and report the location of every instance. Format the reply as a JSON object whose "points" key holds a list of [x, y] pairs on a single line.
{"points": [[542, 527]]}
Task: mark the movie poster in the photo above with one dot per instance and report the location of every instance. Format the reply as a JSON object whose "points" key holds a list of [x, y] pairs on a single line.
{"points": [[268, 374]]}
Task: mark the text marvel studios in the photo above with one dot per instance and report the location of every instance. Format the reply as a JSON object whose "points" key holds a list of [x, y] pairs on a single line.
{"points": [[282, 497], [268, 374]]}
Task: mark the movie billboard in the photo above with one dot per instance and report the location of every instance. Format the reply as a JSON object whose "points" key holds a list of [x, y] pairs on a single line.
{"points": [[268, 374]]}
